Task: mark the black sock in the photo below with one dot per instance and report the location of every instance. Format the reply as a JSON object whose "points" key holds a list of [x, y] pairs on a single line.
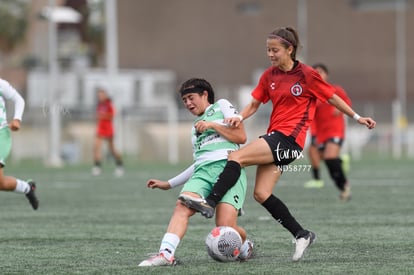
{"points": [[315, 173], [336, 172], [281, 214], [119, 162], [98, 163], [225, 181]]}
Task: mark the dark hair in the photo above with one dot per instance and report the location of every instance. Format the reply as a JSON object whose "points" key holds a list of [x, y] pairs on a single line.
{"points": [[197, 85], [288, 37], [321, 66]]}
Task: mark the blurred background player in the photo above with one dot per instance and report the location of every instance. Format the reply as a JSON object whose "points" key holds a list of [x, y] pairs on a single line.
{"points": [[327, 136], [105, 112], [8, 183], [212, 141]]}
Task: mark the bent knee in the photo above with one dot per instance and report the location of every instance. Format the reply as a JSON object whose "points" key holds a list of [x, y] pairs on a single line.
{"points": [[261, 196], [183, 210]]}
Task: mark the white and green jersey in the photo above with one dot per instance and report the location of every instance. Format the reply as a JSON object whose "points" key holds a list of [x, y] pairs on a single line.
{"points": [[209, 146], [7, 92]]}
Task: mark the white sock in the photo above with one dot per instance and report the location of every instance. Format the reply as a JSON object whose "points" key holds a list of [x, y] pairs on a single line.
{"points": [[169, 244], [22, 187]]}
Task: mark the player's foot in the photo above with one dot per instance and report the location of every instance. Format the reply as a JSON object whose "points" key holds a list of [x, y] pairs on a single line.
{"points": [[346, 193], [158, 260], [248, 252], [31, 196], [303, 241], [198, 204], [119, 172], [96, 171], [314, 184], [346, 163]]}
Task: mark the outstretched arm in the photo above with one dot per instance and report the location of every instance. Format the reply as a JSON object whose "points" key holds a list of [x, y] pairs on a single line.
{"points": [[346, 109], [11, 94], [248, 111], [173, 182]]}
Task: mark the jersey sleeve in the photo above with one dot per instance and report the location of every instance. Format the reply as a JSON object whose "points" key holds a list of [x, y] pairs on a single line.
{"points": [[182, 178], [9, 93], [227, 108]]}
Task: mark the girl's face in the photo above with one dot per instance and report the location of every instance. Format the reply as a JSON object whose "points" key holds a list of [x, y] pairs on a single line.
{"points": [[102, 96], [323, 74], [196, 103], [279, 56]]}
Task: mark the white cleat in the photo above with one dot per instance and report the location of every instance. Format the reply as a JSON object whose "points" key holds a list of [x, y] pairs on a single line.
{"points": [[96, 171], [248, 252], [119, 172], [346, 193], [302, 244], [158, 260]]}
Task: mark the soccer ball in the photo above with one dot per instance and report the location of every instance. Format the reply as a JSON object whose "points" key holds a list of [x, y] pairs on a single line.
{"points": [[223, 244]]}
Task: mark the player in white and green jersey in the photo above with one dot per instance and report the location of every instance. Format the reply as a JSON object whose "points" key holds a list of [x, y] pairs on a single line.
{"points": [[212, 142], [8, 183]]}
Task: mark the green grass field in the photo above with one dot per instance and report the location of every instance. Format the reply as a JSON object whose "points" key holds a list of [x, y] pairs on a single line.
{"points": [[104, 225]]}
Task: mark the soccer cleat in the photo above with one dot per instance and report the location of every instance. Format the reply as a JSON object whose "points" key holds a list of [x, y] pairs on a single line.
{"points": [[158, 260], [314, 184], [31, 196], [247, 253], [119, 172], [346, 193], [96, 171], [302, 243], [198, 204]]}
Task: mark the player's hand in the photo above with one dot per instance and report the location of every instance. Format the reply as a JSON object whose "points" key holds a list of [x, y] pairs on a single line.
{"points": [[233, 121], [202, 126], [367, 121], [164, 185], [14, 125]]}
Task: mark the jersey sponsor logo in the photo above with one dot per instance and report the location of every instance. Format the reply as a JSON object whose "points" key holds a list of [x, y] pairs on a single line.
{"points": [[296, 89], [273, 86]]}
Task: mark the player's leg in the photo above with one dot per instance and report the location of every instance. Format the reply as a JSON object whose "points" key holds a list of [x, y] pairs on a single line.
{"points": [[8, 183], [314, 157], [197, 186], [266, 179], [334, 164], [227, 214], [175, 232], [12, 184], [119, 171], [97, 155]]}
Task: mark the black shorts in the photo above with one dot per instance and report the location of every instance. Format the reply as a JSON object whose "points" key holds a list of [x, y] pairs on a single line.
{"points": [[314, 141], [284, 148], [335, 140]]}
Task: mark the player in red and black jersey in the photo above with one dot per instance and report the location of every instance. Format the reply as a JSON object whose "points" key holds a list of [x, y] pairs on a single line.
{"points": [[328, 133], [293, 88], [105, 131]]}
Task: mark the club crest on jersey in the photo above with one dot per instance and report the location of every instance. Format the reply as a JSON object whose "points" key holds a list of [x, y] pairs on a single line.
{"points": [[211, 112], [296, 89]]}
